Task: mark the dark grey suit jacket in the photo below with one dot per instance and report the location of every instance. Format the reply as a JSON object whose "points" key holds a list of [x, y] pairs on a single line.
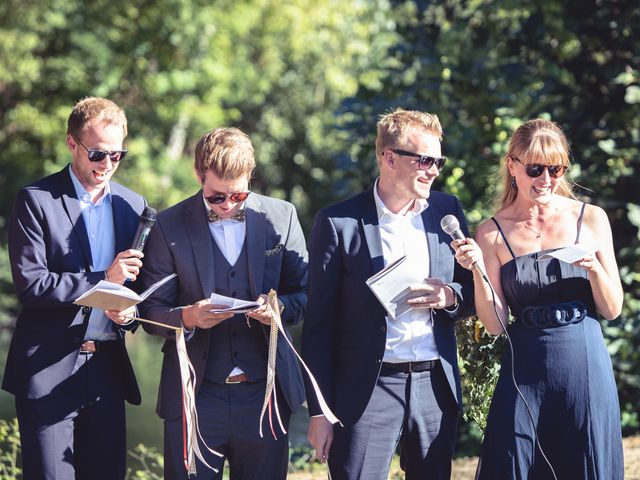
{"points": [[52, 266], [344, 332], [180, 242]]}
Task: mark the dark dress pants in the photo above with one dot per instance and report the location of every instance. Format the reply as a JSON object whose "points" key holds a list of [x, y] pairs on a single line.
{"points": [[413, 411], [79, 431], [229, 418]]}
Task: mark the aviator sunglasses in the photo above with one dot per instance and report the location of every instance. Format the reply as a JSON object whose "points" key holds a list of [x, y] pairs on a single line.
{"points": [[98, 155], [424, 161], [534, 170], [221, 197]]}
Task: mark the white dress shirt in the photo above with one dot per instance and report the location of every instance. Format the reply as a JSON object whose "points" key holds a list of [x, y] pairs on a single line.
{"points": [[229, 235], [410, 336]]}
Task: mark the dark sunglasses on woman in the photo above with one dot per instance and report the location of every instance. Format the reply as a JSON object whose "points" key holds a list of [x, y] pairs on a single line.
{"points": [[534, 170]]}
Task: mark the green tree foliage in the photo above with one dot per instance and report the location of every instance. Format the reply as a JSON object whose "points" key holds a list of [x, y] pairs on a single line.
{"points": [[487, 66], [276, 69], [9, 450]]}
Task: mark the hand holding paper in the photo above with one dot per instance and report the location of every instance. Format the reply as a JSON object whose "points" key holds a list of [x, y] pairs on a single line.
{"points": [[113, 296], [392, 286], [225, 304], [569, 254]]}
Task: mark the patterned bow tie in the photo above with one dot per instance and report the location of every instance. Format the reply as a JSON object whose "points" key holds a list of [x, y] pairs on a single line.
{"points": [[214, 217]]}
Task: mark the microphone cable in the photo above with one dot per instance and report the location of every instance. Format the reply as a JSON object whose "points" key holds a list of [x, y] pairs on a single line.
{"points": [[513, 376]]}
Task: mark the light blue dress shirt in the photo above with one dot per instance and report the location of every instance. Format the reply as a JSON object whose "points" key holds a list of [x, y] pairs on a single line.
{"points": [[98, 219]]}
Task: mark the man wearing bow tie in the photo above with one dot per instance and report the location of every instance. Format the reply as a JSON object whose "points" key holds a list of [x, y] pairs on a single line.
{"points": [[228, 240]]}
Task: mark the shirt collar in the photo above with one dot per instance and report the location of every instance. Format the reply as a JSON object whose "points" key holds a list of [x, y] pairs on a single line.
{"points": [[83, 195], [419, 206]]}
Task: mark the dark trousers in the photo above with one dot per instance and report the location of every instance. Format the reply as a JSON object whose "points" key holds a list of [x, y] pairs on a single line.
{"points": [[78, 432], [413, 411], [229, 421]]}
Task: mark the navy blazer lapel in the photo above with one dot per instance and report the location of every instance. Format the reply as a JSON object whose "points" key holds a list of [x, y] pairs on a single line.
{"points": [[256, 239], [197, 227], [429, 221], [119, 207], [72, 208], [369, 221]]}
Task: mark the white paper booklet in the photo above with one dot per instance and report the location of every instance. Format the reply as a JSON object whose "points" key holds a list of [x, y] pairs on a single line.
{"points": [[391, 286], [112, 296], [231, 304], [569, 254]]}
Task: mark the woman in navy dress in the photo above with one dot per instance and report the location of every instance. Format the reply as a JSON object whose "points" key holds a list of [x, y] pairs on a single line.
{"points": [[560, 363]]}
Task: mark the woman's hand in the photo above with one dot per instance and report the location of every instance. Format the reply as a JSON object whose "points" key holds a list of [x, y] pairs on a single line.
{"points": [[468, 253]]}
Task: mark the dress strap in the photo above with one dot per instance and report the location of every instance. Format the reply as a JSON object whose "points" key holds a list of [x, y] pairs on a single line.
{"points": [[580, 221], [503, 236]]}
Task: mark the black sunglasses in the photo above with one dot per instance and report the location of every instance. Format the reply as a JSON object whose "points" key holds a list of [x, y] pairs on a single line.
{"points": [[534, 170], [98, 155], [424, 161], [221, 197]]}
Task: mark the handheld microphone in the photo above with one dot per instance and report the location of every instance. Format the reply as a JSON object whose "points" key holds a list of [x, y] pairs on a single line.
{"points": [[147, 219], [451, 226]]}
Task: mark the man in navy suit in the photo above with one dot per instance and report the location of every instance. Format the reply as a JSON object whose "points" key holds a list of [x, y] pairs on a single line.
{"points": [[234, 242], [67, 366], [393, 382]]}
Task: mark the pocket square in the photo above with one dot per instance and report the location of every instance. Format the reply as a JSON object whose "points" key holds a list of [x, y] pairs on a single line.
{"points": [[274, 251]]}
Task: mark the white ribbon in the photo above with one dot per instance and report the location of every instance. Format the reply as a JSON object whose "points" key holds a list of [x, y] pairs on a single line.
{"points": [[191, 430], [275, 309]]}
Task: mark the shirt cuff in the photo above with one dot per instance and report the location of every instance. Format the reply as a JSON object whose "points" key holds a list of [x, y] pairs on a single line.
{"points": [[453, 307]]}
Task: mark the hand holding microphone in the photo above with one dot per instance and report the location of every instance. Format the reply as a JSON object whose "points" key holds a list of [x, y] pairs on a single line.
{"points": [[468, 253], [126, 266]]}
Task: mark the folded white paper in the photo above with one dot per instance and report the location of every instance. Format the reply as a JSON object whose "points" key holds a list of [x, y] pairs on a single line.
{"points": [[231, 304], [392, 286], [113, 296], [569, 254]]}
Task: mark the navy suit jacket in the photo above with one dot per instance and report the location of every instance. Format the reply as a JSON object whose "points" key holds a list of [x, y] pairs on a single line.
{"points": [[52, 266], [180, 242], [344, 331]]}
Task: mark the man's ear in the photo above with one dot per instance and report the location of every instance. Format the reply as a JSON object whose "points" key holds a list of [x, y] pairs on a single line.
{"points": [[71, 143], [388, 159], [198, 176]]}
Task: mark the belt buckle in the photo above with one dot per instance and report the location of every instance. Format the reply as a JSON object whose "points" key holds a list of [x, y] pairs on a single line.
{"points": [[232, 382], [89, 346]]}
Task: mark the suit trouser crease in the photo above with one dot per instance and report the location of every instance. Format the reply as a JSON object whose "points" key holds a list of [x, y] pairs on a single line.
{"points": [[79, 431], [414, 412]]}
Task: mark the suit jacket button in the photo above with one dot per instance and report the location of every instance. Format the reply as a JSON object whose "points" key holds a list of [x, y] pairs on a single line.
{"points": [[383, 329], [379, 361], [86, 310]]}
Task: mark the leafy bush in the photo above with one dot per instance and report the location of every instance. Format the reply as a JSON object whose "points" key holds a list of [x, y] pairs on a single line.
{"points": [[9, 450]]}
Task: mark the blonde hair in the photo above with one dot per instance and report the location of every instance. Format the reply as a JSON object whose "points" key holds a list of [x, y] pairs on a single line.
{"points": [[394, 127], [535, 141], [227, 152], [95, 108]]}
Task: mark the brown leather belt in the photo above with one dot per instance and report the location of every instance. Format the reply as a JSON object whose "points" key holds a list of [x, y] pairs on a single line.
{"points": [[408, 367], [233, 379], [93, 346]]}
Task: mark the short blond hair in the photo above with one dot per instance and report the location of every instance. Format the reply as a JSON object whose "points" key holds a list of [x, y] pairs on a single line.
{"points": [[535, 141], [95, 108], [227, 152], [394, 127]]}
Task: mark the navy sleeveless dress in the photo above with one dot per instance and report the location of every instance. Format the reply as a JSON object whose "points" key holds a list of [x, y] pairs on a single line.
{"points": [[564, 371]]}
